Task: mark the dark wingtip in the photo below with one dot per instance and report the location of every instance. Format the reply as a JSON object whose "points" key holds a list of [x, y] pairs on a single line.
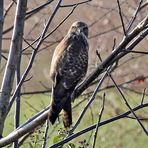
{"points": [[52, 116], [52, 119]]}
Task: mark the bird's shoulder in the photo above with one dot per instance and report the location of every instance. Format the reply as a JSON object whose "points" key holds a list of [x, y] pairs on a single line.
{"points": [[59, 53], [70, 52]]}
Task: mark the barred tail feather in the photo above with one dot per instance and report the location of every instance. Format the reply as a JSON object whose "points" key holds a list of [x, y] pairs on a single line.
{"points": [[57, 102], [54, 112], [67, 114]]}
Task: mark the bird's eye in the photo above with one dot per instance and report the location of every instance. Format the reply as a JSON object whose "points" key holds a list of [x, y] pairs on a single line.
{"points": [[73, 27], [85, 29]]}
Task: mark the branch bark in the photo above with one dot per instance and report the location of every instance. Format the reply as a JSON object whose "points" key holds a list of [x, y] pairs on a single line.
{"points": [[110, 59], [14, 55], [40, 119], [111, 120], [1, 26], [23, 130]]}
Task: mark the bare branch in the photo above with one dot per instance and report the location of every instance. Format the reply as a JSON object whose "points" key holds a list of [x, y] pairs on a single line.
{"points": [[23, 130], [130, 51], [120, 13], [142, 99], [144, 5], [14, 55], [89, 103], [99, 119], [29, 15], [30, 45], [127, 104], [45, 133], [35, 44], [112, 57], [35, 10], [4, 57], [17, 105], [79, 3], [135, 15], [34, 53], [8, 8], [1, 26], [121, 116]]}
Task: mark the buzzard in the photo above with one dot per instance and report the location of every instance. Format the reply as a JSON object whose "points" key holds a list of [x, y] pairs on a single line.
{"points": [[68, 67]]}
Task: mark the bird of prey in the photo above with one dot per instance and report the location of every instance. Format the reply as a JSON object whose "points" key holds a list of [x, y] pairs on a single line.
{"points": [[68, 67]]}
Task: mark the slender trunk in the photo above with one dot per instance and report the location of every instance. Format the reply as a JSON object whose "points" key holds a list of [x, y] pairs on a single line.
{"points": [[13, 58], [1, 25], [17, 105]]}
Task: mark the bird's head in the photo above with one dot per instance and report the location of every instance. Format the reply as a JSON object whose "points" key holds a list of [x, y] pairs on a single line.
{"points": [[79, 27]]}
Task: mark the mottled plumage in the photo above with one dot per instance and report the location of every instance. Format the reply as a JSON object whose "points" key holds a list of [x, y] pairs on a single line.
{"points": [[68, 67]]}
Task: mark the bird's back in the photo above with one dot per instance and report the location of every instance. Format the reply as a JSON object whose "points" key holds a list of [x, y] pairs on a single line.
{"points": [[68, 67], [70, 59]]}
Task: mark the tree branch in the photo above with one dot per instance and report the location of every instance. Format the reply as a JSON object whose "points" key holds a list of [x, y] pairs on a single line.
{"points": [[1, 26], [110, 59], [14, 55], [121, 116]]}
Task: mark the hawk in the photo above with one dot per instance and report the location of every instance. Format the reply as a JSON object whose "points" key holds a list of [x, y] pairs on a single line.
{"points": [[68, 67]]}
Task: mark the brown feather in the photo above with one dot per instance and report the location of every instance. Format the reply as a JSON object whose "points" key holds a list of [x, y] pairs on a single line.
{"points": [[68, 67]]}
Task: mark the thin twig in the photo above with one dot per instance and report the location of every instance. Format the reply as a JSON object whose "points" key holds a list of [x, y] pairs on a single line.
{"points": [[120, 13], [79, 3], [24, 138], [8, 8], [28, 16], [34, 54], [104, 15], [144, 5], [13, 59], [136, 41], [29, 45], [118, 117], [142, 99], [99, 119], [98, 54], [89, 102], [114, 56], [4, 57], [143, 119], [35, 10], [18, 104], [1, 26], [45, 134], [133, 51], [53, 29], [134, 17], [127, 104]]}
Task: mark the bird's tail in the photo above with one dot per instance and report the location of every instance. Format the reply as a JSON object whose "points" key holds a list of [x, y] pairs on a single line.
{"points": [[54, 112], [67, 114], [57, 102]]}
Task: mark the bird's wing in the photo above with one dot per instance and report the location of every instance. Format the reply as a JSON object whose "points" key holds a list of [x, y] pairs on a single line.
{"points": [[70, 60], [69, 65], [57, 55]]}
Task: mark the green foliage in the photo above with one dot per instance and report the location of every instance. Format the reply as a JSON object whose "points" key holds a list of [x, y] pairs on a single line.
{"points": [[31, 145], [122, 133], [71, 145], [61, 135]]}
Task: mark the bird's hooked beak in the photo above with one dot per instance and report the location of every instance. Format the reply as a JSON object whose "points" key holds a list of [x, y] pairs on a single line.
{"points": [[79, 30]]}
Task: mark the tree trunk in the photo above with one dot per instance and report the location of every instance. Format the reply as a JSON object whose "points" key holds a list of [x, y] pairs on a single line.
{"points": [[13, 58], [1, 26]]}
